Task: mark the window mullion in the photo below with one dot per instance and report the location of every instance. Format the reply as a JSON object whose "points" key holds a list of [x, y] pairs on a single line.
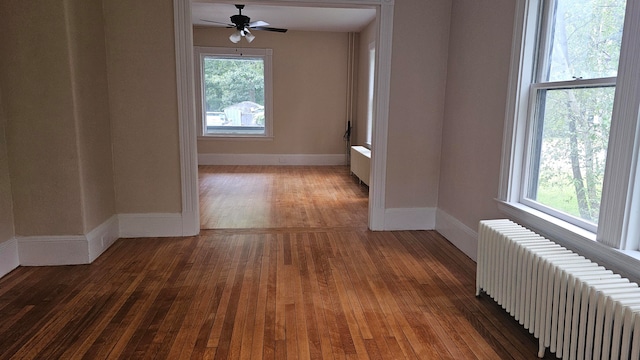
{"points": [[574, 84], [620, 205]]}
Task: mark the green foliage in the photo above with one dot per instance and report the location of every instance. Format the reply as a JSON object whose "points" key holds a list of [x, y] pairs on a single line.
{"points": [[586, 39], [574, 145], [562, 198], [228, 81]]}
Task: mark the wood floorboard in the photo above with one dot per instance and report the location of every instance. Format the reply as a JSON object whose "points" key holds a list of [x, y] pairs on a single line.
{"points": [[243, 197], [288, 271]]}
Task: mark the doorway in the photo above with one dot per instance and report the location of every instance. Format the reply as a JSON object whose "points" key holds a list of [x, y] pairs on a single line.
{"points": [[186, 101]]}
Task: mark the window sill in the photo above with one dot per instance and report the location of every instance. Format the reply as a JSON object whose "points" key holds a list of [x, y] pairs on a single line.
{"points": [[632, 253], [624, 262], [235, 138], [543, 222]]}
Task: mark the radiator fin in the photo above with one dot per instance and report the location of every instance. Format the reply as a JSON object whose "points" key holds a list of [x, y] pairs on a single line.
{"points": [[574, 307]]}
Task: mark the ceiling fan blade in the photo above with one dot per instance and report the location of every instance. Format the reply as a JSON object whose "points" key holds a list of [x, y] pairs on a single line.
{"points": [[217, 22], [264, 28], [258, 23]]}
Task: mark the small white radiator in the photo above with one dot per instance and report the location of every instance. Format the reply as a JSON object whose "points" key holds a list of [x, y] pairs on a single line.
{"points": [[575, 308], [361, 163]]}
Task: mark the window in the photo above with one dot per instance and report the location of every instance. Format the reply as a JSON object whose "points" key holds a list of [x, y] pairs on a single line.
{"points": [[570, 104], [571, 120], [370, 92], [234, 92]]}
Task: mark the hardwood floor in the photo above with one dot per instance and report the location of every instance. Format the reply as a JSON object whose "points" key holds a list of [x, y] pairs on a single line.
{"points": [[301, 290], [241, 197]]}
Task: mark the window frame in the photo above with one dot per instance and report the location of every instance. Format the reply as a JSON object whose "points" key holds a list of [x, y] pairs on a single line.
{"points": [[370, 93], [200, 52], [619, 226], [527, 156]]}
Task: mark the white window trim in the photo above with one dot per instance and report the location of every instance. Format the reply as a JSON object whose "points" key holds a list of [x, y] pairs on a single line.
{"points": [[620, 212], [619, 222], [266, 54]]}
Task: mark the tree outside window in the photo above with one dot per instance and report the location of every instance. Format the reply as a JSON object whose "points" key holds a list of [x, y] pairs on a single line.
{"points": [[234, 91]]}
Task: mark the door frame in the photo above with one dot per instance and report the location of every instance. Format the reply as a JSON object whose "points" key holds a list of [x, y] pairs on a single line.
{"points": [[186, 105]]}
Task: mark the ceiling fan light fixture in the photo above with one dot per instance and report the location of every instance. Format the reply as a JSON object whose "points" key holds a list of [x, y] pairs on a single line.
{"points": [[249, 36], [242, 24], [235, 37]]}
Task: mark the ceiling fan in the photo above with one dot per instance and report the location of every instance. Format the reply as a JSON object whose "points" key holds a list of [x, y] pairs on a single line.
{"points": [[243, 24]]}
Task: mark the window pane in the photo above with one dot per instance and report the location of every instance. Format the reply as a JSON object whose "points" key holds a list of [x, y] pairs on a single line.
{"points": [[234, 95], [371, 90], [585, 39], [569, 149]]}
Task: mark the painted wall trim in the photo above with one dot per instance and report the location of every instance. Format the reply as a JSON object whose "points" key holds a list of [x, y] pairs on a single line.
{"points": [[459, 234], [190, 223], [410, 219], [53, 250], [102, 237], [378, 176], [151, 225], [9, 258], [84, 249], [183, 33], [271, 159], [67, 249]]}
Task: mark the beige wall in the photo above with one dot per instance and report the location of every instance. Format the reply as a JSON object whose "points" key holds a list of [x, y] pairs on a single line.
{"points": [[57, 118], [91, 107], [416, 103], [35, 81], [143, 105], [479, 54], [309, 92], [366, 37], [6, 203]]}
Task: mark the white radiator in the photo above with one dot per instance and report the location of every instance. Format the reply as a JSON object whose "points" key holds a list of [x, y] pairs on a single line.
{"points": [[361, 163], [575, 308]]}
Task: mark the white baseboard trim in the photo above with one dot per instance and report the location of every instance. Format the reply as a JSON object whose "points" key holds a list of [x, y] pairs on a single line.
{"points": [[272, 159], [84, 249], [67, 249], [102, 237], [460, 235], [9, 258], [190, 223], [53, 250], [150, 225], [409, 219]]}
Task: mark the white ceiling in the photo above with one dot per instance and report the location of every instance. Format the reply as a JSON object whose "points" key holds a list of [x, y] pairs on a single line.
{"points": [[288, 17]]}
